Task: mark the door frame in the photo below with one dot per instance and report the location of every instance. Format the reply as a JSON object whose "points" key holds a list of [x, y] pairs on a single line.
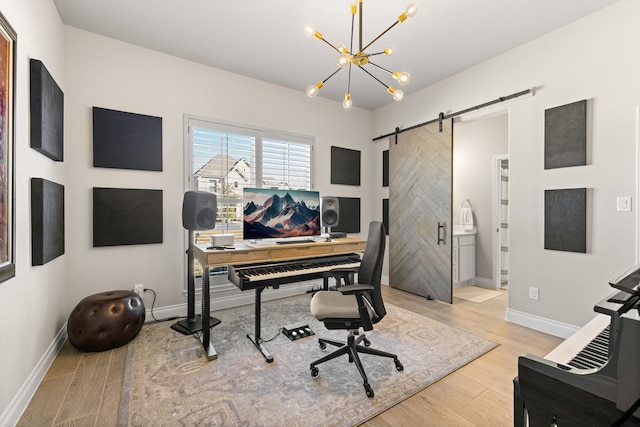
{"points": [[496, 165]]}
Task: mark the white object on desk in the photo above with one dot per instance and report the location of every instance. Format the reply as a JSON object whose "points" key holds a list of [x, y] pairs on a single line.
{"points": [[222, 240]]}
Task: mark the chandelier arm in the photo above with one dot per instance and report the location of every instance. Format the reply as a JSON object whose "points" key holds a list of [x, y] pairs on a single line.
{"points": [[353, 20], [332, 46], [331, 75], [349, 80], [362, 49], [382, 68], [374, 77]]}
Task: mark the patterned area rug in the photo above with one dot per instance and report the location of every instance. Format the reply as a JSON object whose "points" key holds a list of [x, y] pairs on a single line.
{"points": [[169, 382]]}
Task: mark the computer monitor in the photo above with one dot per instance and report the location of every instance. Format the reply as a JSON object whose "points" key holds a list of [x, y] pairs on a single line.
{"points": [[269, 213]]}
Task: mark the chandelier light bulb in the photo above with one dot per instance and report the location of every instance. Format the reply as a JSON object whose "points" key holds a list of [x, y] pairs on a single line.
{"points": [[309, 31], [347, 103], [343, 59], [397, 94], [312, 90], [402, 77], [412, 9], [388, 51]]}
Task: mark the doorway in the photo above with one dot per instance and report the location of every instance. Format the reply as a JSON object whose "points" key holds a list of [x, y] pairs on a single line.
{"points": [[479, 165]]}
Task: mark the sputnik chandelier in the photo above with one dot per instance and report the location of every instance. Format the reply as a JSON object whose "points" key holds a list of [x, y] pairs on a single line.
{"points": [[346, 57]]}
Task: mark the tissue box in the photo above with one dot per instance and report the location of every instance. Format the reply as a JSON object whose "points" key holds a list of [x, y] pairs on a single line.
{"points": [[222, 240]]}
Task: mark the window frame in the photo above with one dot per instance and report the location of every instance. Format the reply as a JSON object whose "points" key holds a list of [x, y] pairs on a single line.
{"points": [[218, 279]]}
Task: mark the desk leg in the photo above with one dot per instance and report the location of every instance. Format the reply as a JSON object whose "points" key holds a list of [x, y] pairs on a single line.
{"points": [[255, 337], [206, 319]]}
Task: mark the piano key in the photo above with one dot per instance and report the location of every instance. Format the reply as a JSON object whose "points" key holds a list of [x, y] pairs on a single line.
{"points": [[564, 352], [272, 274]]}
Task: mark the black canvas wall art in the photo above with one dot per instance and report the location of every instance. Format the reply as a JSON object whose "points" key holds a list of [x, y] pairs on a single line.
{"points": [[47, 221], [349, 214], [565, 135], [345, 166], [385, 168], [47, 112], [126, 216], [565, 220], [124, 140]]}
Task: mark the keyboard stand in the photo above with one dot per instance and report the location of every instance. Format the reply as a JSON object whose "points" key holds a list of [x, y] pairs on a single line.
{"points": [[255, 337], [208, 258]]}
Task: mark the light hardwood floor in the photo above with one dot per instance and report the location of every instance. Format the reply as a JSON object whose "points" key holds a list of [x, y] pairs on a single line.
{"points": [[83, 389]]}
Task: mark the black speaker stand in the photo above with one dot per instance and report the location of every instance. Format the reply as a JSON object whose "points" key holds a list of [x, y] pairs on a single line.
{"points": [[190, 326], [193, 322]]}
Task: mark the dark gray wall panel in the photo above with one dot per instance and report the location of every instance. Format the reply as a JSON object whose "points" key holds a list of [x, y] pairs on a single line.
{"points": [[47, 221]]}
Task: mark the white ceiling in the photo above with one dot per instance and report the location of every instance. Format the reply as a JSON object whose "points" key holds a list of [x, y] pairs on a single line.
{"points": [[265, 39]]}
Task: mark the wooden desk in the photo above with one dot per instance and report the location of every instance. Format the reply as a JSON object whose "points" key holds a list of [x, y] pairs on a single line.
{"points": [[245, 253]]}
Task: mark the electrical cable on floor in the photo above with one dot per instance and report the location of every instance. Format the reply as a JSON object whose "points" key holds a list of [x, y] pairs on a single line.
{"points": [[272, 338]]}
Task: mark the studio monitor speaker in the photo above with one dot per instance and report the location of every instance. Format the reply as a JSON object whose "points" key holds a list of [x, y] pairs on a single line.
{"points": [[329, 210], [199, 210]]}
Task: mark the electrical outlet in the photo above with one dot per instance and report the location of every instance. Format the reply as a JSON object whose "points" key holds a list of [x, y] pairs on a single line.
{"points": [[533, 293], [139, 289]]}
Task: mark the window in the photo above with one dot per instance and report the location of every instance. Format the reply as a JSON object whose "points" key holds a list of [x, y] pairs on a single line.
{"points": [[224, 159]]}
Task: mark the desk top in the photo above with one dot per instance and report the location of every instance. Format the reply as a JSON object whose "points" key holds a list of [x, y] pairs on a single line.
{"points": [[245, 252]]}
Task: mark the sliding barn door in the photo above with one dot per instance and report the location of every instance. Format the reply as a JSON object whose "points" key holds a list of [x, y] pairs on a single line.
{"points": [[420, 182]]}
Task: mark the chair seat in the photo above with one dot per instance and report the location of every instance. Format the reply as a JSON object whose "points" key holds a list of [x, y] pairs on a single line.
{"points": [[334, 305]]}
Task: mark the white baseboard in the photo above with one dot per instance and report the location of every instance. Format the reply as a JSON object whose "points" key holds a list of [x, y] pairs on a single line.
{"points": [[20, 401], [552, 327]]}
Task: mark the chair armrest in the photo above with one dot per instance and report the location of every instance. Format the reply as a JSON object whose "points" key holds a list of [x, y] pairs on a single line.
{"points": [[342, 273], [363, 311], [355, 289]]}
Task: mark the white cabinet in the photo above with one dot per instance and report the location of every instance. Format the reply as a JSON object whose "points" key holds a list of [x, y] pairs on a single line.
{"points": [[464, 257]]}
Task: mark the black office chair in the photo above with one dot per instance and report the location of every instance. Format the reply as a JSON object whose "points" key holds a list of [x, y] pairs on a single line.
{"points": [[355, 306]]}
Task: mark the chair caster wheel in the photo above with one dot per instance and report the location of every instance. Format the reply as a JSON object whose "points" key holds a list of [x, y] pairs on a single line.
{"points": [[322, 345], [366, 342], [369, 391], [399, 366], [315, 372]]}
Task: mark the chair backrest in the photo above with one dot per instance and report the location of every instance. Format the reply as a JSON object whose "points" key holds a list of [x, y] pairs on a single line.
{"points": [[370, 270]]}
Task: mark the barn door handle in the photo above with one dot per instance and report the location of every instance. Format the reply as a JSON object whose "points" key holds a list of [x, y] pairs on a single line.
{"points": [[440, 236]]}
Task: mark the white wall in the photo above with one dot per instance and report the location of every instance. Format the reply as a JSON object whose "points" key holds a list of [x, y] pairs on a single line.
{"points": [[116, 75], [475, 142], [597, 59], [33, 303]]}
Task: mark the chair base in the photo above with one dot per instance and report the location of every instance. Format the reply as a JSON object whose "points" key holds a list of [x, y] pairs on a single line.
{"points": [[352, 347]]}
